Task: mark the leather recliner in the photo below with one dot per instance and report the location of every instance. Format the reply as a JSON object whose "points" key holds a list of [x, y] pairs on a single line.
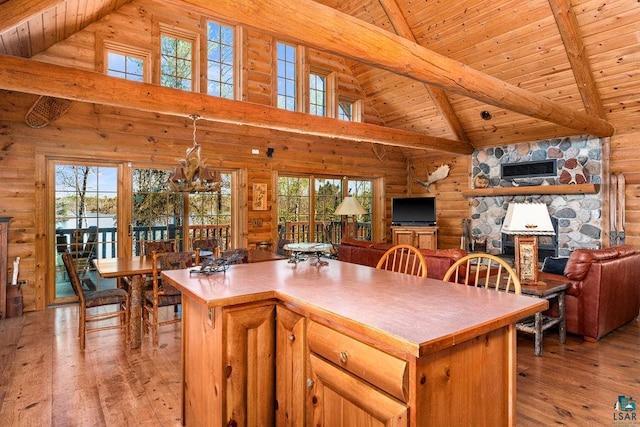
{"points": [[603, 292]]}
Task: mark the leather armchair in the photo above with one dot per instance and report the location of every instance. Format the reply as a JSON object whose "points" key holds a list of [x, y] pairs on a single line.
{"points": [[603, 292]]}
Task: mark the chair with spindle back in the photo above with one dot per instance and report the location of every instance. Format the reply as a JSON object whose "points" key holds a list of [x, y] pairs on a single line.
{"points": [[484, 270], [404, 259]]}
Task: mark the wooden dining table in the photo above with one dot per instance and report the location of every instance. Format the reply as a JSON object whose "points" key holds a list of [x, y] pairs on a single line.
{"points": [[137, 268]]}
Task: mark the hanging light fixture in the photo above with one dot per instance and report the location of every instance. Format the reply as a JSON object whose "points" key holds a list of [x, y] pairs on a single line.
{"points": [[193, 175]]}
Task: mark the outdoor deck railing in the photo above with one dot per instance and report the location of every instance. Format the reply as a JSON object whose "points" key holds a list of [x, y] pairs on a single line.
{"points": [[292, 231]]}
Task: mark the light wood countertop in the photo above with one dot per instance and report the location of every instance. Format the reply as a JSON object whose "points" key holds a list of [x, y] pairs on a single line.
{"points": [[410, 314]]}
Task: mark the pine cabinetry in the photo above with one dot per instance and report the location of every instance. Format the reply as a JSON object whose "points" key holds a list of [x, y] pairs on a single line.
{"points": [[229, 360], [276, 344], [291, 351], [420, 237], [249, 365], [344, 390]]}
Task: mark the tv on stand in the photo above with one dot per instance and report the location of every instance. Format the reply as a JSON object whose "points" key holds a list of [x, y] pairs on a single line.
{"points": [[413, 211]]}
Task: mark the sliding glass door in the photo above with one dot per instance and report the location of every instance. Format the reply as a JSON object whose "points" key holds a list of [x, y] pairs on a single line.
{"points": [[85, 221]]}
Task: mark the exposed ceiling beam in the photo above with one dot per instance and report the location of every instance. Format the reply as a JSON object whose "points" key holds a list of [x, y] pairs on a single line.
{"points": [[439, 97], [29, 76], [16, 12], [576, 52], [326, 29]]}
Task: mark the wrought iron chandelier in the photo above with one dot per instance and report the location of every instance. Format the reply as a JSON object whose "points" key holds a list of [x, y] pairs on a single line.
{"points": [[193, 176]]}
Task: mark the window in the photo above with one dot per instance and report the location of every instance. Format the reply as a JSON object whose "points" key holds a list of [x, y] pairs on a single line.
{"points": [[327, 197], [349, 110], [157, 211], [220, 60], [126, 62], [345, 111], [125, 67], [317, 94], [363, 191], [286, 76], [177, 62], [306, 207], [293, 208], [210, 214]]}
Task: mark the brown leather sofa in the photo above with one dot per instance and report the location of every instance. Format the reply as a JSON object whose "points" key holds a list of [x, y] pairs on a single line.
{"points": [[603, 292], [369, 253]]}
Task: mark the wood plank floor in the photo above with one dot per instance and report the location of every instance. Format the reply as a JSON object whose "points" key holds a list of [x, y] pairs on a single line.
{"points": [[45, 380]]}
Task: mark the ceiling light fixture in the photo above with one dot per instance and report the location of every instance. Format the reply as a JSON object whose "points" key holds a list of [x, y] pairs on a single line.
{"points": [[193, 176]]}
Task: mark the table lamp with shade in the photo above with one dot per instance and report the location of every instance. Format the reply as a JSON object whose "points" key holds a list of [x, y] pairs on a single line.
{"points": [[349, 207], [527, 221]]}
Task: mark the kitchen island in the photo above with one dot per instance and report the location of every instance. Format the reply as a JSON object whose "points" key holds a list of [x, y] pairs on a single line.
{"points": [[343, 344]]}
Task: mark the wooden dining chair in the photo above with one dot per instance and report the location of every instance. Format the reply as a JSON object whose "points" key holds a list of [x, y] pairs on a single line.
{"points": [[161, 294], [84, 252], [484, 270], [158, 246], [205, 244], [92, 304], [404, 259]]}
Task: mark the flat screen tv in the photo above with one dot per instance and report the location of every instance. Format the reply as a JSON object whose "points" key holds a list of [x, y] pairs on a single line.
{"points": [[413, 211]]}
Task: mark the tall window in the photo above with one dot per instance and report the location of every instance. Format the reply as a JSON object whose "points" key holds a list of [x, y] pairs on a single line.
{"points": [[317, 94], [157, 211], [220, 60], [293, 208], [363, 191], [210, 214], [286, 72], [176, 64], [327, 197]]}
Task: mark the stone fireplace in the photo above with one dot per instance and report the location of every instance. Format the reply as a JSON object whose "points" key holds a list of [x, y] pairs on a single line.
{"points": [[577, 217]]}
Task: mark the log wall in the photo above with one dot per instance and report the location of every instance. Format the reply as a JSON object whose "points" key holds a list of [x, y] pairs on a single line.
{"points": [[90, 131], [95, 132]]}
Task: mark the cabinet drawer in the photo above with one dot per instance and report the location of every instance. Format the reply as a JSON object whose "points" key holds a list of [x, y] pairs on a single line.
{"points": [[381, 369]]}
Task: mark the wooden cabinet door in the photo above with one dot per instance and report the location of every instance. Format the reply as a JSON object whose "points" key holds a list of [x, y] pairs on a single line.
{"points": [[337, 398], [290, 368], [426, 239], [403, 237], [249, 365]]}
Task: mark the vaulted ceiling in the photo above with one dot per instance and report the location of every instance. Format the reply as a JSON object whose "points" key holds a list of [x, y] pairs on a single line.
{"points": [[485, 73]]}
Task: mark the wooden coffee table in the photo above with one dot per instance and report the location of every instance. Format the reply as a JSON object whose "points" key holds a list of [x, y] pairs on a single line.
{"points": [[551, 289]]}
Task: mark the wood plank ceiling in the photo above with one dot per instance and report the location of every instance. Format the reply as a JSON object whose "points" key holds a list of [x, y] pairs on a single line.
{"points": [[576, 61]]}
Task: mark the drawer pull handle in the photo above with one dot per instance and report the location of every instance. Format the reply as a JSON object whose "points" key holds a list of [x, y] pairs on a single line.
{"points": [[343, 357], [309, 382], [292, 337]]}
